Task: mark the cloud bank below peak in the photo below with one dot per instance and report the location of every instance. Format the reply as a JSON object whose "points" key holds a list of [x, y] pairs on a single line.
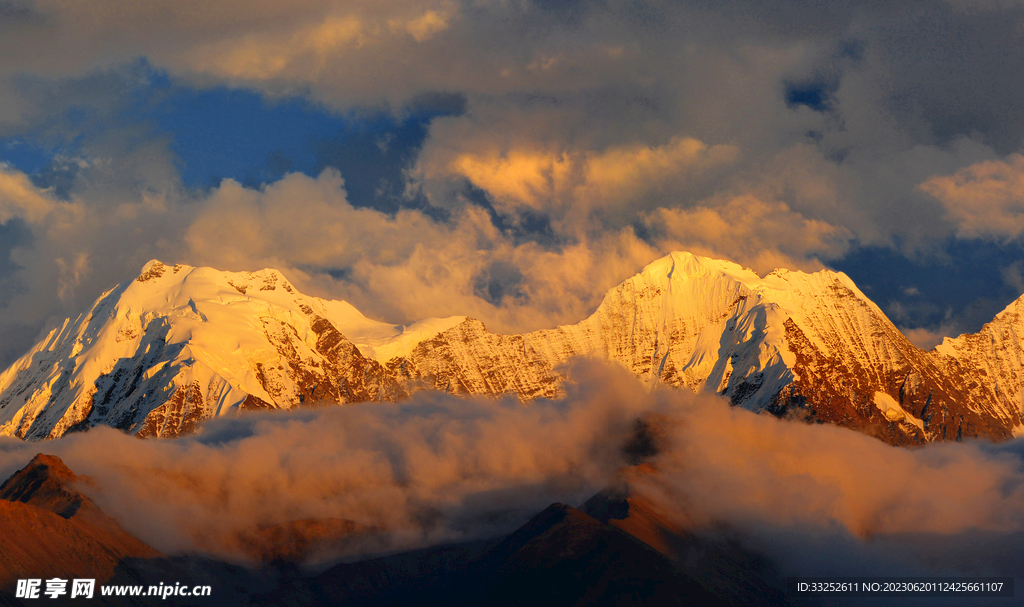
{"points": [[440, 468]]}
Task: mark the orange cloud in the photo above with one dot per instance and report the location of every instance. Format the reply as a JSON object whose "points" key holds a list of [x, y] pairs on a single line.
{"points": [[924, 338], [20, 198], [574, 182], [438, 468], [985, 199], [762, 235]]}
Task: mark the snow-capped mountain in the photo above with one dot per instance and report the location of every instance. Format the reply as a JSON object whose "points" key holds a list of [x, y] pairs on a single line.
{"points": [[156, 355], [178, 345], [791, 343]]}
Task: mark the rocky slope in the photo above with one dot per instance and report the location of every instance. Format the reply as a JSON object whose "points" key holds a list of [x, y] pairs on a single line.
{"points": [[49, 529], [177, 345]]}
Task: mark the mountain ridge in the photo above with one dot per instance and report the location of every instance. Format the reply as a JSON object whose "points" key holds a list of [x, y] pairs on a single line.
{"points": [[157, 355], [50, 529]]}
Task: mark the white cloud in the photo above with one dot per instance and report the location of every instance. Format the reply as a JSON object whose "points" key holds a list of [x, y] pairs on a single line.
{"points": [[406, 266]]}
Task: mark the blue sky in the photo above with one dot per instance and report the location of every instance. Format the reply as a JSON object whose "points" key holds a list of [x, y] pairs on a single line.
{"points": [[219, 133], [436, 157]]}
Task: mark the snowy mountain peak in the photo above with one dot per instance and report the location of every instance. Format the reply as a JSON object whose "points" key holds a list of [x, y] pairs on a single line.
{"points": [[681, 266], [178, 344], [157, 354]]}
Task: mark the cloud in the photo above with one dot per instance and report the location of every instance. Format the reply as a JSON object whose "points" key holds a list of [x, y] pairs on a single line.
{"points": [[399, 267], [438, 468], [262, 58], [985, 199], [1013, 275], [683, 193], [762, 235], [405, 266], [300, 221], [757, 470], [434, 469], [713, 73], [344, 53], [71, 274], [562, 182], [19, 198], [427, 25], [925, 338], [549, 288], [120, 211], [596, 137], [408, 266]]}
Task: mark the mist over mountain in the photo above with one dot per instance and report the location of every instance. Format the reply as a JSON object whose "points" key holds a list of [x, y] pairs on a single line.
{"points": [[781, 497]]}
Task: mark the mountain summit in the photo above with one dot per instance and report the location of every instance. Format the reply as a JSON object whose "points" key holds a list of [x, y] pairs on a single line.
{"points": [[157, 355]]}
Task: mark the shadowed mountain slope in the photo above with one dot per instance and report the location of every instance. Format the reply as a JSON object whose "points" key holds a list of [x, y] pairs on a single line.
{"points": [[49, 529]]}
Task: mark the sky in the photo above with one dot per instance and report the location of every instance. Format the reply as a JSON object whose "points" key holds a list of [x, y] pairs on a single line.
{"points": [[511, 160]]}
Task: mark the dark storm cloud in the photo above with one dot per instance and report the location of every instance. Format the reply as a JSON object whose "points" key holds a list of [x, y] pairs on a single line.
{"points": [[949, 73]]}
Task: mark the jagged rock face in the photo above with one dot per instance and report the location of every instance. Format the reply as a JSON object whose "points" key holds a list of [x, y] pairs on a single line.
{"points": [[179, 345], [992, 365], [467, 359]]}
